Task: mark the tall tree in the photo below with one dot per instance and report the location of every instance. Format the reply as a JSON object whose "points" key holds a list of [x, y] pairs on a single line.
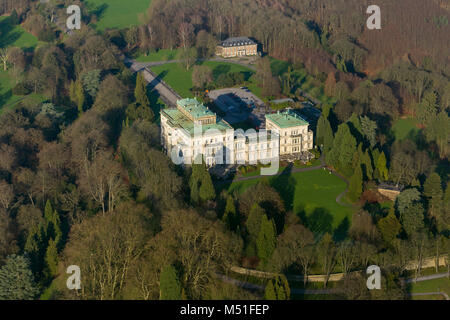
{"points": [[51, 260], [169, 284], [16, 280], [381, 171], [140, 92], [344, 147], [324, 132], [229, 216], [327, 254], [389, 227], [432, 189], [355, 184], [266, 241], [277, 289]]}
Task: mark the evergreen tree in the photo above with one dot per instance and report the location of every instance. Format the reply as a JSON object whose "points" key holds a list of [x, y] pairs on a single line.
{"points": [[389, 227], [443, 218], [269, 292], [369, 129], [366, 162], [381, 171], [136, 111], [34, 248], [140, 92], [51, 260], [14, 18], [344, 147], [277, 289], [206, 191], [266, 241], [355, 184], [201, 186], [324, 131], [229, 216], [254, 221], [432, 189], [16, 280], [169, 284], [79, 96], [91, 83], [48, 211], [413, 219]]}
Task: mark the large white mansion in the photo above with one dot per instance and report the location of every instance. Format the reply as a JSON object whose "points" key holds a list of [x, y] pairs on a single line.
{"points": [[192, 129]]}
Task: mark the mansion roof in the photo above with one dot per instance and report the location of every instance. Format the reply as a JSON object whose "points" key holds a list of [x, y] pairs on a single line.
{"points": [[237, 41], [287, 119]]}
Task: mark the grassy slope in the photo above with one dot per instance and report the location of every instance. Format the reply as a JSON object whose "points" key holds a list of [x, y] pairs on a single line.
{"points": [[404, 128], [118, 13], [181, 80], [306, 82], [431, 286], [160, 55], [15, 35], [18, 37], [7, 99], [311, 195]]}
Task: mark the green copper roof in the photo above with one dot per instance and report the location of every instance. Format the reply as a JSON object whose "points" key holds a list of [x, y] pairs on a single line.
{"points": [[287, 119], [178, 119], [195, 108]]}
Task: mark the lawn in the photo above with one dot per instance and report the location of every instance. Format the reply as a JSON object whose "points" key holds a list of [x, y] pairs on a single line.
{"points": [[304, 80], [160, 55], [181, 80], [404, 128], [117, 13], [7, 99], [312, 196], [435, 285], [15, 36]]}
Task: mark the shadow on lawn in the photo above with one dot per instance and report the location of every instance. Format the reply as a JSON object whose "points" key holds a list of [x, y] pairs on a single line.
{"points": [[8, 36], [320, 221], [285, 185], [100, 10]]}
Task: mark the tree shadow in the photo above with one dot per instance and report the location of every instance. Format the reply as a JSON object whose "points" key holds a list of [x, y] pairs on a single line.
{"points": [[340, 233], [155, 103], [220, 69], [285, 184], [8, 36], [100, 10], [320, 221]]}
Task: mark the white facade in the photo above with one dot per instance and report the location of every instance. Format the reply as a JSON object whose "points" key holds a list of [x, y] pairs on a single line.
{"points": [[185, 136]]}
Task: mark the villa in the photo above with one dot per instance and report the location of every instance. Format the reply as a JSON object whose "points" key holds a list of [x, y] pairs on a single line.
{"points": [[191, 129], [237, 47]]}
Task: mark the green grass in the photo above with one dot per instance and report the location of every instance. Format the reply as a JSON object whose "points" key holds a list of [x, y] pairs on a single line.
{"points": [[404, 128], [310, 85], [7, 99], [312, 196], [118, 13], [180, 79], [435, 285], [160, 55], [15, 36]]}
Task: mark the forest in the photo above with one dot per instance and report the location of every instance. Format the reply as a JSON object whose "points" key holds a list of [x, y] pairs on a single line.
{"points": [[84, 179]]}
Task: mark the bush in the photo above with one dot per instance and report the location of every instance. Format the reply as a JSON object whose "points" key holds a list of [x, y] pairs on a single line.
{"points": [[47, 35], [20, 90]]}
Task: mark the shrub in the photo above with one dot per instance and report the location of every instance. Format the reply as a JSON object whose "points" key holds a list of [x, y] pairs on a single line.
{"points": [[20, 89]]}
